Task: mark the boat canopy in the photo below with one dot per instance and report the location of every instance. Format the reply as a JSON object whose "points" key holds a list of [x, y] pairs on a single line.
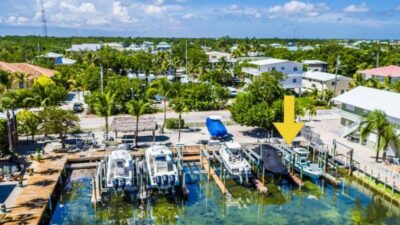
{"points": [[215, 127], [272, 162]]}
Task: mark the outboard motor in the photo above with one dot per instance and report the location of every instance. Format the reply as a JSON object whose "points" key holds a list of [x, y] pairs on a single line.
{"points": [[165, 179], [115, 183], [122, 183], [172, 180], [158, 180]]}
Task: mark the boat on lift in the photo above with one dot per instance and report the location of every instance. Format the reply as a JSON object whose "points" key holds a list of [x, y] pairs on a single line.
{"points": [[120, 171], [161, 168], [234, 161], [302, 163]]}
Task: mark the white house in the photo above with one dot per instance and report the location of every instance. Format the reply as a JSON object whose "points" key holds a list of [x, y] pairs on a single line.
{"points": [[163, 46], [316, 65], [214, 56], [355, 104], [292, 70], [84, 47], [114, 45], [325, 81], [58, 59], [382, 72]]}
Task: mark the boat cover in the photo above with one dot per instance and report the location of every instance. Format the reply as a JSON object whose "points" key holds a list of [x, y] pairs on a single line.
{"points": [[272, 161], [216, 128]]}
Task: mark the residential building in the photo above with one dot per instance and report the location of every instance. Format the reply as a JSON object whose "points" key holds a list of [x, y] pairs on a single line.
{"points": [[30, 71], [214, 56], [163, 46], [316, 65], [113, 45], [382, 72], [325, 81], [292, 70], [355, 105], [84, 47], [58, 59]]}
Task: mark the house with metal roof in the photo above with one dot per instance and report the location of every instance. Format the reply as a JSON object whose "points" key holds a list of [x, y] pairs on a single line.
{"points": [[58, 59], [84, 47], [316, 65], [338, 84], [358, 102], [380, 73], [292, 70]]}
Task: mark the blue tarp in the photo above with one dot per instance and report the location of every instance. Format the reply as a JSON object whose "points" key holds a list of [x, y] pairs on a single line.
{"points": [[216, 128]]}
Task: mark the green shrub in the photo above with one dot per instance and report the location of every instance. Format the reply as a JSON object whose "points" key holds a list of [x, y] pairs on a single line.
{"points": [[3, 137], [173, 123]]}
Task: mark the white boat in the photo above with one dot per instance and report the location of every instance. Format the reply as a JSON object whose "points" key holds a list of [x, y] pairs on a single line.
{"points": [[234, 162], [162, 170], [120, 171], [302, 163]]}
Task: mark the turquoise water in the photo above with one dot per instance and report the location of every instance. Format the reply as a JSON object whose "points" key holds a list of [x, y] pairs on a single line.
{"points": [[317, 203]]}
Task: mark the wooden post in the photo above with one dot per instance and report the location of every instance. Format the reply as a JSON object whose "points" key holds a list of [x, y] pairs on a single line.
{"points": [[263, 176], [385, 183], [351, 162], [301, 172], [208, 169], [94, 191]]}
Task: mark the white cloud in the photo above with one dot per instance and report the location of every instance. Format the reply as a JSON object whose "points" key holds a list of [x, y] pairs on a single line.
{"points": [[297, 8], [397, 8], [121, 12], [189, 16], [238, 11], [363, 8], [16, 20]]}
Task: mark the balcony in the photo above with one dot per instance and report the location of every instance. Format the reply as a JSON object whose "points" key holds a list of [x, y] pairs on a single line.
{"points": [[252, 71]]}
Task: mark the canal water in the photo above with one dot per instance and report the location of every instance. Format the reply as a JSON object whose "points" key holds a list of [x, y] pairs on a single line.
{"points": [[317, 203]]}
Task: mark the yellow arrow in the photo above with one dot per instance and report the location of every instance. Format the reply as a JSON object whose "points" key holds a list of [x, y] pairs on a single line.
{"points": [[289, 128]]}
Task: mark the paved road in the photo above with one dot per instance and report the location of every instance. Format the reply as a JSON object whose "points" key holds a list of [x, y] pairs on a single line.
{"points": [[94, 122]]}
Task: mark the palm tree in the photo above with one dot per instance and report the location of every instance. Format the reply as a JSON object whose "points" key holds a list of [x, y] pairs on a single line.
{"points": [[358, 80], [164, 88], [311, 110], [377, 122], [103, 105], [137, 108], [179, 107], [6, 80]]}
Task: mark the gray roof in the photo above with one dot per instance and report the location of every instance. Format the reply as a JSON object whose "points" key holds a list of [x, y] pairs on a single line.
{"points": [[322, 76]]}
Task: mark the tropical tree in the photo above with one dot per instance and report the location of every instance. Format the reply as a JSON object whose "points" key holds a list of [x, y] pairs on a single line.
{"points": [[179, 107], [103, 105], [163, 87], [59, 121], [376, 122], [6, 80], [28, 123], [358, 80], [137, 108], [311, 110]]}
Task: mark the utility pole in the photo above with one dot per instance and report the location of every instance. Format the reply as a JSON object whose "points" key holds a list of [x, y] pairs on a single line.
{"points": [[186, 60], [336, 73], [101, 79], [44, 23], [377, 59]]}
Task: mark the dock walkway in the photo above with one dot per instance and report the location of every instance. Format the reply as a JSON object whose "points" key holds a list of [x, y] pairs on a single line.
{"points": [[212, 173]]}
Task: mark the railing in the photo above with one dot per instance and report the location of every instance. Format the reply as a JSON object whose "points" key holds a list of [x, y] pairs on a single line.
{"points": [[251, 70]]}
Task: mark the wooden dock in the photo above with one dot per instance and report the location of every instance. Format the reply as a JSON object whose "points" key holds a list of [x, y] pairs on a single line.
{"points": [[212, 173], [33, 201], [297, 180], [77, 166], [260, 186]]}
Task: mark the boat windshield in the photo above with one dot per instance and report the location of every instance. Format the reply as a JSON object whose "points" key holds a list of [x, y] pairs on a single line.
{"points": [[163, 164], [234, 151]]}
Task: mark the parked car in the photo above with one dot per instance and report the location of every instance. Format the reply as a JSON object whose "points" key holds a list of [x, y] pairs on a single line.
{"points": [[184, 79], [236, 79], [142, 76], [132, 75], [151, 77], [77, 107], [170, 77], [232, 91]]}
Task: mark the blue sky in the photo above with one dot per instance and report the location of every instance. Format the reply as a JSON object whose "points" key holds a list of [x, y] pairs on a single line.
{"points": [[205, 18]]}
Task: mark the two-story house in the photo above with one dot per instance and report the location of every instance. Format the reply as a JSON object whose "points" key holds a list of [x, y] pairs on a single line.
{"points": [[355, 105], [292, 70], [338, 84], [316, 65]]}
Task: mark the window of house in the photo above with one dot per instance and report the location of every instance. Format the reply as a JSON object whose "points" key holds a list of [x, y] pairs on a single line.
{"points": [[349, 107], [333, 83], [295, 68], [273, 68], [282, 68], [21, 84], [294, 80]]}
